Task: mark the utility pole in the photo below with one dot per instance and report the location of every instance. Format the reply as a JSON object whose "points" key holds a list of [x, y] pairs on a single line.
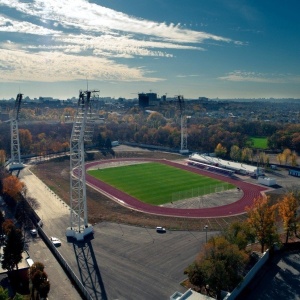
{"points": [[205, 228], [183, 125]]}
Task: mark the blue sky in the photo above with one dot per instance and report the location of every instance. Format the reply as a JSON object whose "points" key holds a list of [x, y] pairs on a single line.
{"points": [[211, 48]]}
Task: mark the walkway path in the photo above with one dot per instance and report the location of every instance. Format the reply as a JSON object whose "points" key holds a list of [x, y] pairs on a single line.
{"points": [[54, 213]]}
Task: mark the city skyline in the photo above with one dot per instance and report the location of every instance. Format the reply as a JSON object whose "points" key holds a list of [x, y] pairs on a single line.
{"points": [[214, 49]]}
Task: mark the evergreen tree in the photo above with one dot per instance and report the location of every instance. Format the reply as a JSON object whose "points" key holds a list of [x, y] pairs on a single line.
{"points": [[12, 253]]}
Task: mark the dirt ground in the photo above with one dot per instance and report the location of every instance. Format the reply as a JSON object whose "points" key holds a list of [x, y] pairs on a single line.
{"points": [[55, 174]]}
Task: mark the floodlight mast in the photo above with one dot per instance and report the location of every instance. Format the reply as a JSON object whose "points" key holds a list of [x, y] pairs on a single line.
{"points": [[82, 132], [14, 164], [183, 125]]}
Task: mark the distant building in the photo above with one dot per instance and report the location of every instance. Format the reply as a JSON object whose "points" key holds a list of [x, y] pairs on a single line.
{"points": [[203, 99], [148, 99]]}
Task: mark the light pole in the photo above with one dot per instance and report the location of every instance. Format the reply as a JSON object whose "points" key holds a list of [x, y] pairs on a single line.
{"points": [[205, 228]]}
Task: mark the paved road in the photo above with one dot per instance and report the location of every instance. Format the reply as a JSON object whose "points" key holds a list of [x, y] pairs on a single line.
{"points": [[122, 262]]}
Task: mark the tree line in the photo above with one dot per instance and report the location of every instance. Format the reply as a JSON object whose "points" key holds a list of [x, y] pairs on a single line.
{"points": [[159, 128], [13, 237]]}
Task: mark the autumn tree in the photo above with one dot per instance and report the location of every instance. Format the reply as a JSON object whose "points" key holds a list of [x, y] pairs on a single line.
{"points": [[294, 158], [287, 209], [218, 267], [247, 154], [156, 119], [2, 158], [220, 150], [25, 137], [286, 155], [261, 217], [235, 153], [12, 186], [7, 225], [240, 234], [280, 158], [39, 280]]}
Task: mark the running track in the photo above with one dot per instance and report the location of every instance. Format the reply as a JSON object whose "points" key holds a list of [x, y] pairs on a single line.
{"points": [[250, 191]]}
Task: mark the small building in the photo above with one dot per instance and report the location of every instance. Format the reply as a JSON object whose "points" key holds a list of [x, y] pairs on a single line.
{"points": [[23, 266], [267, 181]]}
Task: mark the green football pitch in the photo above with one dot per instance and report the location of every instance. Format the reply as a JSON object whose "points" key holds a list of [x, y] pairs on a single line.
{"points": [[157, 184]]}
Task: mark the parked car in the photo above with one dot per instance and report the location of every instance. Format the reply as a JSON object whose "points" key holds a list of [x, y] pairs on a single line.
{"points": [[160, 229], [55, 241], [33, 232]]}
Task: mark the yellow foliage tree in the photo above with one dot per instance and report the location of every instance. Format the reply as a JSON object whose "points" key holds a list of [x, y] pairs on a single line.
{"points": [[294, 158], [220, 150], [286, 155], [25, 140], [261, 217], [287, 209]]}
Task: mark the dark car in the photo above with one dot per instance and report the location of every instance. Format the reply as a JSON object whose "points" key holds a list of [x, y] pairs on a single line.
{"points": [[160, 229]]}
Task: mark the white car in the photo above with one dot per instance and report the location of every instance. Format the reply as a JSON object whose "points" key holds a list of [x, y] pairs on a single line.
{"points": [[160, 229], [55, 241], [33, 232]]}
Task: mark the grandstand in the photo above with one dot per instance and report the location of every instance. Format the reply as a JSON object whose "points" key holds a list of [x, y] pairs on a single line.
{"points": [[226, 167], [211, 168]]}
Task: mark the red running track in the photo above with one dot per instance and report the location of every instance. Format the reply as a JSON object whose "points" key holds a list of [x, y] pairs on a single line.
{"points": [[251, 191]]}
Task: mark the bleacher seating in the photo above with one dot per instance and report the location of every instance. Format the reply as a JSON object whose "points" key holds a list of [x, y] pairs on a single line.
{"points": [[211, 168]]}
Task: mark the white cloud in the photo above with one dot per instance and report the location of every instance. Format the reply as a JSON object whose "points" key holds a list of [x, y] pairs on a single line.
{"points": [[56, 66], [84, 37], [241, 76], [95, 18], [10, 25]]}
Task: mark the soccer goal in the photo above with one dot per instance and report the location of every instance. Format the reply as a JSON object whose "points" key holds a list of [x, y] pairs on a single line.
{"points": [[200, 191]]}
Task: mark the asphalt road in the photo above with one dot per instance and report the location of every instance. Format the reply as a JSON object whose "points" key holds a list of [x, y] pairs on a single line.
{"points": [[122, 262]]}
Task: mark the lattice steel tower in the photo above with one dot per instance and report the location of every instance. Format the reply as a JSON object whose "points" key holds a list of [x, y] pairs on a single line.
{"points": [[14, 163], [183, 125], [82, 132]]}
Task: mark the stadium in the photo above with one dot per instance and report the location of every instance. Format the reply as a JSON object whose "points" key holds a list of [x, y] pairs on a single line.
{"points": [[246, 190]]}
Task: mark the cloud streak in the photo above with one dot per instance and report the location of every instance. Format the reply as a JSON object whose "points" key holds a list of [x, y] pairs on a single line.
{"points": [[242, 76], [22, 66], [95, 18]]}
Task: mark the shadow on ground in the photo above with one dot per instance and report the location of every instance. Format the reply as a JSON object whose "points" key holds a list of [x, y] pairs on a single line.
{"points": [[89, 271]]}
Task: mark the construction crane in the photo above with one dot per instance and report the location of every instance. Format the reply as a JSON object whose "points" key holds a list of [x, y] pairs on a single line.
{"points": [[82, 132], [14, 163], [183, 125]]}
